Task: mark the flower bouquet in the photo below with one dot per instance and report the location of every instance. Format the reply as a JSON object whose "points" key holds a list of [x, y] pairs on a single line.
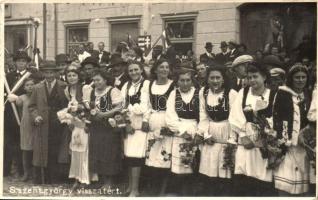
{"points": [[308, 135], [121, 121], [188, 152], [165, 131], [270, 147], [229, 157]]}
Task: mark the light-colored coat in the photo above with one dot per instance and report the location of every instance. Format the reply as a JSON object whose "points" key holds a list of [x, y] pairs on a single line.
{"points": [[39, 106]]}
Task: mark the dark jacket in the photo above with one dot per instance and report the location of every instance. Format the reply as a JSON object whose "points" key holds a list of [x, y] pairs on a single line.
{"points": [[104, 58], [221, 58]]}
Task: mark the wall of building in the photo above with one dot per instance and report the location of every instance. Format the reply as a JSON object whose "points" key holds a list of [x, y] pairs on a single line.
{"points": [[214, 22]]}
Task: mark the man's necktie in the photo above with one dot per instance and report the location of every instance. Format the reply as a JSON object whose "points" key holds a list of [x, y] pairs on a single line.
{"points": [[49, 87]]}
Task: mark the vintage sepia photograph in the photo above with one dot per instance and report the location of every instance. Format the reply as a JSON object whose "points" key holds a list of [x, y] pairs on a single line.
{"points": [[159, 99]]}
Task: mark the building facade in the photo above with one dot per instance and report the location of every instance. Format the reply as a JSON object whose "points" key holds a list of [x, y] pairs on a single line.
{"points": [[63, 26]]}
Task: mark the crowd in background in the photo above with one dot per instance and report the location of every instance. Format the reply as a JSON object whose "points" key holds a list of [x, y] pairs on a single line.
{"points": [[225, 124]]}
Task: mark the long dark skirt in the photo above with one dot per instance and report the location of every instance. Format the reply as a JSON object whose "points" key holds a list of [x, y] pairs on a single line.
{"points": [[105, 151]]}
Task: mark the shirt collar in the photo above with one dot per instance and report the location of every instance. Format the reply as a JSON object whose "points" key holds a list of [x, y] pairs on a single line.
{"points": [[22, 72], [52, 83], [118, 77]]}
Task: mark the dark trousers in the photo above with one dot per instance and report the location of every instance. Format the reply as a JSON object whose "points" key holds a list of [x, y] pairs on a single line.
{"points": [[27, 162], [12, 155]]}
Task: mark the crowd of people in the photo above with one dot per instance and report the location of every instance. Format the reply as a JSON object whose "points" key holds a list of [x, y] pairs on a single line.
{"points": [[230, 124]]}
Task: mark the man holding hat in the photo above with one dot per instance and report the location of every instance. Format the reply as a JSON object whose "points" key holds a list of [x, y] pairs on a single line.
{"points": [[208, 56], [118, 67], [233, 50], [46, 100], [62, 60], [11, 128], [239, 66], [223, 57], [88, 66]]}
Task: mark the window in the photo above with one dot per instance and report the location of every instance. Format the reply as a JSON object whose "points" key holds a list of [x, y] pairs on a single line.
{"points": [[16, 38], [75, 35], [180, 29], [122, 28], [120, 31]]}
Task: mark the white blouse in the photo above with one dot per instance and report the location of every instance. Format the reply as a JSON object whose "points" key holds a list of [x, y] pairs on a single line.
{"points": [[143, 106], [115, 96], [212, 100], [172, 118], [237, 117]]}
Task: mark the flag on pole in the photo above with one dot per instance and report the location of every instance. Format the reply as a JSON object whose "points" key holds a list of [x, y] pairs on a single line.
{"points": [[166, 43]]}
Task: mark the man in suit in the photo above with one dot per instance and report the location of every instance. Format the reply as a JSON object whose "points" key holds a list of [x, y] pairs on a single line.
{"points": [[208, 57], [103, 56], [12, 150], [233, 50], [46, 100], [118, 67], [62, 61], [223, 57], [91, 50]]}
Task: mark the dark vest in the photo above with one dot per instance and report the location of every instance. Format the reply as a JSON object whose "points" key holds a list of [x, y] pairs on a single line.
{"points": [[219, 112], [136, 97], [159, 102], [266, 112], [105, 101], [187, 110]]}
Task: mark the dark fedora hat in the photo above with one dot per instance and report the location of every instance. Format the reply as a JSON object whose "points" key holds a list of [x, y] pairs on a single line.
{"points": [[116, 59], [62, 58], [48, 65], [90, 60], [208, 45], [223, 44], [21, 55]]}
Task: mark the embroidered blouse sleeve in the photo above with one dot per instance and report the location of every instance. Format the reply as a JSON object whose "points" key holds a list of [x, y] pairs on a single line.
{"points": [[124, 92], [145, 101], [232, 96], [116, 96], [172, 118], [203, 126], [312, 110], [237, 117], [87, 89]]}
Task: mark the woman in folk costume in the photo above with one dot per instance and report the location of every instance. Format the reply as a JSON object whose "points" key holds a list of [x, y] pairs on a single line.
{"points": [[79, 141], [216, 100], [310, 133], [182, 118], [253, 178], [105, 145], [290, 117], [158, 153], [135, 94]]}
